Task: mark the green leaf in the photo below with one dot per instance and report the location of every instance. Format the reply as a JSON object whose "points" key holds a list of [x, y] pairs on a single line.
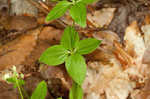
{"points": [[88, 1], [59, 98], [86, 46], [76, 92], [58, 11], [11, 80], [76, 67], [40, 92], [54, 55], [78, 13], [70, 38]]}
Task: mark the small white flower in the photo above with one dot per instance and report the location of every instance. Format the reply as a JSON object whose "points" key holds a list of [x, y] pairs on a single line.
{"points": [[6, 76]]}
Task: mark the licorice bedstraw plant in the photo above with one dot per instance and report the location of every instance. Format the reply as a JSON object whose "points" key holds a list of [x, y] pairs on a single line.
{"points": [[71, 48]]}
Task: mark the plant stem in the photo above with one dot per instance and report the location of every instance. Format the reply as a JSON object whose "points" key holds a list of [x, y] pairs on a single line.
{"points": [[73, 24], [73, 1], [25, 93], [19, 88]]}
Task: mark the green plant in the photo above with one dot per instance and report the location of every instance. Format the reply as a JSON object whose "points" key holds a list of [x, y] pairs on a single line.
{"points": [[71, 48], [17, 80], [77, 10]]}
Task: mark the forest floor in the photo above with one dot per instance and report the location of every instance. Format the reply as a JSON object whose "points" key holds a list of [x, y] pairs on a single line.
{"points": [[118, 69]]}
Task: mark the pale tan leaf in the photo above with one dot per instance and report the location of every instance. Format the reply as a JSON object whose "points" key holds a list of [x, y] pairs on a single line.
{"points": [[134, 41], [101, 18]]}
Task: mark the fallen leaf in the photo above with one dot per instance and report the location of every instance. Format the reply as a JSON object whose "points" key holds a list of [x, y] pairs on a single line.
{"points": [[15, 52], [23, 7], [101, 18], [134, 42]]}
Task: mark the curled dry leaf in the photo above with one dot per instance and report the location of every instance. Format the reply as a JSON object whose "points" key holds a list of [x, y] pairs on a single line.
{"points": [[124, 58], [101, 18], [15, 52]]}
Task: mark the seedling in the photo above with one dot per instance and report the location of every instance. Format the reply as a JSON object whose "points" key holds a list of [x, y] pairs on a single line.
{"points": [[71, 48], [17, 80]]}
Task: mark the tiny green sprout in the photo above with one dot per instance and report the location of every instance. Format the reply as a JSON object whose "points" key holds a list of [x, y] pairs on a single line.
{"points": [[16, 79]]}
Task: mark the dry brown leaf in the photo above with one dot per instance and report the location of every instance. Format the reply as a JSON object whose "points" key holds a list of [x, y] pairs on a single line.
{"points": [[19, 23], [124, 58], [15, 52], [147, 20], [50, 34], [47, 37], [7, 91]]}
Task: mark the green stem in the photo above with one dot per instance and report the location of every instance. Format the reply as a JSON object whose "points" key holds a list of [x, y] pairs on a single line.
{"points": [[19, 88], [73, 24], [25, 93], [74, 1]]}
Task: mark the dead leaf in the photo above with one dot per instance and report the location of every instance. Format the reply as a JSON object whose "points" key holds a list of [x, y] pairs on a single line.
{"points": [[15, 52], [23, 7], [19, 23], [101, 18], [7, 91], [134, 42], [50, 34]]}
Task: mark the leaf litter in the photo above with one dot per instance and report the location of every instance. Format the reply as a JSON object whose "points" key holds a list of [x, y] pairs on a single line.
{"points": [[118, 69]]}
